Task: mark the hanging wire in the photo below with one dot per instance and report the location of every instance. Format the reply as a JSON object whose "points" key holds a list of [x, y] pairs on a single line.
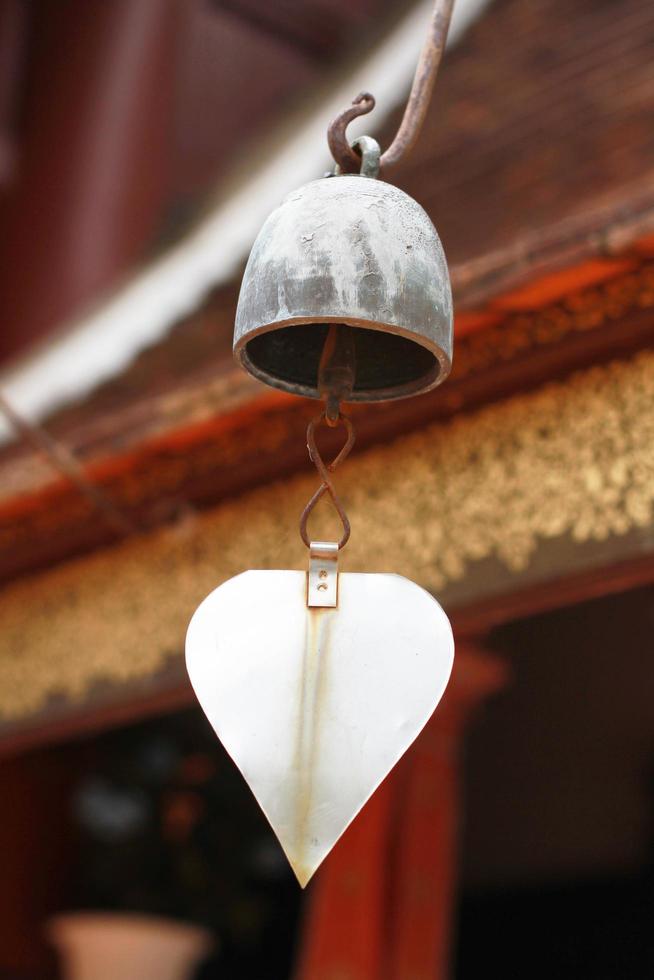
{"points": [[348, 160], [61, 458]]}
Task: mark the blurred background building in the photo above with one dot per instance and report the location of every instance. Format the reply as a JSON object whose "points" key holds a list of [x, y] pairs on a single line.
{"points": [[142, 143]]}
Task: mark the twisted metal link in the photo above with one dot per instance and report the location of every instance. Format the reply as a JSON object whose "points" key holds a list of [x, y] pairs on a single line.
{"points": [[324, 471]]}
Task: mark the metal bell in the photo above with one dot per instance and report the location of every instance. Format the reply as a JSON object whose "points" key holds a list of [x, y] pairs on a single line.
{"points": [[354, 251]]}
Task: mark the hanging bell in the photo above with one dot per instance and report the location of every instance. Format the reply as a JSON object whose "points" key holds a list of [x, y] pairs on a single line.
{"points": [[356, 252]]}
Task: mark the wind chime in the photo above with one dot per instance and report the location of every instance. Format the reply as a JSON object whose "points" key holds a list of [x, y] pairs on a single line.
{"points": [[317, 682]]}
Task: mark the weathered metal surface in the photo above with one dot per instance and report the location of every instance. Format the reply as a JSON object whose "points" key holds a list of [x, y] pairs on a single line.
{"points": [[316, 706], [355, 251]]}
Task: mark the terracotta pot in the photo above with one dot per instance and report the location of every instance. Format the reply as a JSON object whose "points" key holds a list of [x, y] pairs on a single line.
{"points": [[105, 946]]}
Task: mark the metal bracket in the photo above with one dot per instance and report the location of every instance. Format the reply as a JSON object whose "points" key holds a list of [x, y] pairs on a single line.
{"points": [[322, 577]]}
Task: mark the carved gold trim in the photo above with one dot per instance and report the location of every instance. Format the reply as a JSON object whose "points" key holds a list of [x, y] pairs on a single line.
{"points": [[580, 312], [570, 459]]}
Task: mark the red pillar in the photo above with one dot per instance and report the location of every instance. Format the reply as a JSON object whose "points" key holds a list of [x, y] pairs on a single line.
{"points": [[35, 845], [346, 920], [401, 856], [426, 855]]}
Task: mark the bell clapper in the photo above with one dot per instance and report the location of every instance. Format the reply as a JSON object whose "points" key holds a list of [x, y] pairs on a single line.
{"points": [[337, 370]]}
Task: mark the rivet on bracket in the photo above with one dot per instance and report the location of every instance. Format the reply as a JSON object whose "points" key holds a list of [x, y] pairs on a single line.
{"points": [[322, 578]]}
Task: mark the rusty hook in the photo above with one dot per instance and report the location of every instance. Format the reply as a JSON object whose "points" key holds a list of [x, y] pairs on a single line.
{"points": [[324, 471], [416, 107], [347, 159]]}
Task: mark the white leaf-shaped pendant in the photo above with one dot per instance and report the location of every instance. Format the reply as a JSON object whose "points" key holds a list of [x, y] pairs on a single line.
{"points": [[316, 705]]}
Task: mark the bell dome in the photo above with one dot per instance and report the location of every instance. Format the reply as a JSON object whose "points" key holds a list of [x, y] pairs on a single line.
{"points": [[347, 250]]}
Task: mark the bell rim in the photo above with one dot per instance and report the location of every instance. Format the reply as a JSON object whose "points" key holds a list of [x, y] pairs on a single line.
{"points": [[394, 393]]}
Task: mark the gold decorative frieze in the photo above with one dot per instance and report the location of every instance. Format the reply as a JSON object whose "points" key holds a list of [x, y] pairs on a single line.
{"points": [[580, 312], [571, 460]]}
